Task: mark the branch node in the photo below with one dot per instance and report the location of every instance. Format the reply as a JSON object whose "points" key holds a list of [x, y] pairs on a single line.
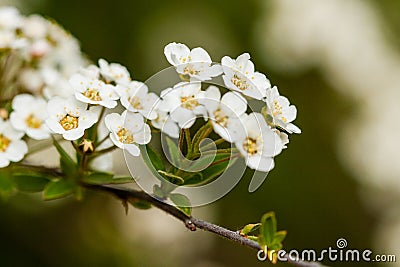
{"points": [[190, 225]]}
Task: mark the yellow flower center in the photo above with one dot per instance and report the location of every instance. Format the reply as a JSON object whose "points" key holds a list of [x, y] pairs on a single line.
{"points": [[221, 118], [250, 146], [33, 122], [189, 102], [125, 136], [135, 102], [190, 70], [239, 82], [278, 111], [4, 143], [69, 122], [92, 94]]}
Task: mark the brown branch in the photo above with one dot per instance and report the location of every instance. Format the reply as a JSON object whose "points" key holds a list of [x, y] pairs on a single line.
{"points": [[190, 222]]}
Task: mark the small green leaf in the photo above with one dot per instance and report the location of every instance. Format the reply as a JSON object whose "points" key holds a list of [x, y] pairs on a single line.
{"points": [[7, 185], [58, 189], [254, 238], [193, 178], [216, 170], [99, 178], [280, 236], [139, 204], [158, 191], [201, 163], [155, 158], [172, 178], [67, 164], [173, 150], [250, 228], [32, 182], [182, 202], [268, 227]]}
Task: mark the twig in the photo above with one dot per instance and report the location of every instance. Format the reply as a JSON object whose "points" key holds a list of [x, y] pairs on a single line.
{"points": [[190, 222]]}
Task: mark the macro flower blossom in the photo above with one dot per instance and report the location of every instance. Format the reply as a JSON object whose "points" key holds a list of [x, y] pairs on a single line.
{"points": [[135, 97], [165, 124], [239, 75], [69, 117], [113, 72], [93, 91], [195, 63], [224, 112], [182, 103], [12, 148], [29, 115], [280, 112], [258, 143], [128, 130]]}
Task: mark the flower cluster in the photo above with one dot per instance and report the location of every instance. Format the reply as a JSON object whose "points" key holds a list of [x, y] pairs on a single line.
{"points": [[57, 92]]}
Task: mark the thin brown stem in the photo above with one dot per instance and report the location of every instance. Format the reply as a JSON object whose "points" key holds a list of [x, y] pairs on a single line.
{"points": [[190, 222]]}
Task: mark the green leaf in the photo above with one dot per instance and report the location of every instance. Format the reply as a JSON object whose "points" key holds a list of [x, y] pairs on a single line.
{"points": [[7, 185], [158, 192], [155, 158], [58, 189], [250, 228], [268, 227], [182, 202], [139, 204], [216, 170], [202, 163], [193, 178], [99, 178], [30, 182], [173, 150], [280, 236], [67, 164], [172, 177]]}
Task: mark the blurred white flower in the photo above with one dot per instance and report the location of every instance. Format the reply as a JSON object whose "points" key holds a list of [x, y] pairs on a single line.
{"points": [[10, 18], [258, 143], [224, 112], [31, 80], [239, 75], [55, 84], [69, 117], [34, 27], [113, 72], [93, 91], [182, 103], [196, 62], [29, 116], [165, 124], [281, 112], [12, 148], [128, 130], [135, 97]]}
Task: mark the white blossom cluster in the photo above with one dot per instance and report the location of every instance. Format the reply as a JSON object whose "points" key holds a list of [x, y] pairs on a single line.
{"points": [[50, 103]]}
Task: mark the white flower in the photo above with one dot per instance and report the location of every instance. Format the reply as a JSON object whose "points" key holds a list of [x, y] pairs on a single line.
{"points": [[284, 138], [35, 27], [136, 98], [31, 80], [239, 75], [166, 125], [182, 102], [69, 117], [224, 112], [93, 91], [12, 148], [258, 143], [281, 112], [196, 62], [55, 84], [128, 130], [29, 116], [113, 72], [10, 18]]}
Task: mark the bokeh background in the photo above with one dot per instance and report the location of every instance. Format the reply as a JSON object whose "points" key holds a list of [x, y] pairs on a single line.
{"points": [[338, 61]]}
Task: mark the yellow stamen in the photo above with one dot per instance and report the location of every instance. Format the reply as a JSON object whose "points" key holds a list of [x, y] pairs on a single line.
{"points": [[92, 94], [4, 143], [239, 82], [125, 136], [69, 122], [221, 118], [135, 102], [189, 102], [33, 122], [250, 145]]}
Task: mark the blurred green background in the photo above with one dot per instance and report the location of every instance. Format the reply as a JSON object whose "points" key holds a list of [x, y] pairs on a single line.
{"points": [[315, 196]]}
